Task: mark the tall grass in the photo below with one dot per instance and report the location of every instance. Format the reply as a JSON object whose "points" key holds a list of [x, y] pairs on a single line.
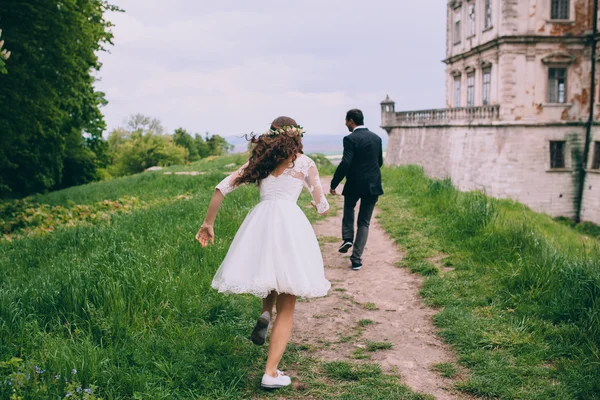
{"points": [[128, 303], [123, 307], [522, 305]]}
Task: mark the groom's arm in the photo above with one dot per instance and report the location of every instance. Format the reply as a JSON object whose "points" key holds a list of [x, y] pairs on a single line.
{"points": [[342, 169]]}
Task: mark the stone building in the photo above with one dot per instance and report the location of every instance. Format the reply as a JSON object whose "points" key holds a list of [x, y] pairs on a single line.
{"points": [[517, 118]]}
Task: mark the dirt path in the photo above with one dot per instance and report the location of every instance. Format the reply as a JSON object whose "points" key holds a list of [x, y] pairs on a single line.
{"points": [[381, 293]]}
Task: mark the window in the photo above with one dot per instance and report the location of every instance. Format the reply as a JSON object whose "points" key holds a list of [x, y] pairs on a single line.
{"points": [[471, 21], [457, 102], [596, 159], [557, 154], [471, 90], [560, 9], [557, 85], [487, 84], [457, 31], [457, 91], [488, 14]]}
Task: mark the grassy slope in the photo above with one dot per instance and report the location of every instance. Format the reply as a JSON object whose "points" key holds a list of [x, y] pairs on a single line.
{"points": [[127, 302], [519, 294]]}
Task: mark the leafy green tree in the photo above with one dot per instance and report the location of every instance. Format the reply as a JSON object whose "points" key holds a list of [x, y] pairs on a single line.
{"points": [[142, 144], [202, 147], [218, 145], [185, 140], [48, 99]]}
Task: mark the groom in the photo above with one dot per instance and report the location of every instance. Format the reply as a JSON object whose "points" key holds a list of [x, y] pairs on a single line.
{"points": [[360, 166]]}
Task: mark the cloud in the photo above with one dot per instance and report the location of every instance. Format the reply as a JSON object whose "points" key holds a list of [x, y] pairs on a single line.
{"points": [[229, 66]]}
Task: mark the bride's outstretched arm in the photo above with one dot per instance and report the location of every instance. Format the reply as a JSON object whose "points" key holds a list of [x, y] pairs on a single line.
{"points": [[206, 232]]}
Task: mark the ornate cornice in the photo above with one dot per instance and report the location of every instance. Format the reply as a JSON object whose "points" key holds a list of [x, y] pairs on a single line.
{"points": [[524, 39], [559, 58], [483, 64]]}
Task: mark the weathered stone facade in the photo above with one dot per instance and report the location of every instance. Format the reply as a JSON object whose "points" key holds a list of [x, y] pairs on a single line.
{"points": [[518, 78]]}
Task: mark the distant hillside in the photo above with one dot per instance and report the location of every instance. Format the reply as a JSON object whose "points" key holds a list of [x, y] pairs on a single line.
{"points": [[325, 144]]}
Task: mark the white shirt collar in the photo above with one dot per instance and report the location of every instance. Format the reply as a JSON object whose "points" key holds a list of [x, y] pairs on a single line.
{"points": [[359, 127]]}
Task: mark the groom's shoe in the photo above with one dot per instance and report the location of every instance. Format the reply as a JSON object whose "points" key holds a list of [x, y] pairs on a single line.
{"points": [[345, 246], [356, 266], [259, 334]]}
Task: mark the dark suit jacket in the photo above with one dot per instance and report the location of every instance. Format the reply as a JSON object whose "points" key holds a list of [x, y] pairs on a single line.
{"points": [[363, 158]]}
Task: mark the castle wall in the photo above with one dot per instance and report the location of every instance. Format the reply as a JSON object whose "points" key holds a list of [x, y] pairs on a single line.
{"points": [[505, 161]]}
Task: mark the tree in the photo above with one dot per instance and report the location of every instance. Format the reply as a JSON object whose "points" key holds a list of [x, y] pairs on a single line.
{"points": [[202, 147], [48, 99], [185, 140], [218, 145], [142, 145]]}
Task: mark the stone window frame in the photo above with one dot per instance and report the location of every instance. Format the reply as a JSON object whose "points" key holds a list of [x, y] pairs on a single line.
{"points": [[558, 60], [486, 101], [456, 94], [569, 20], [471, 19], [456, 32], [486, 67], [566, 89], [488, 15], [566, 156], [595, 159], [471, 89]]}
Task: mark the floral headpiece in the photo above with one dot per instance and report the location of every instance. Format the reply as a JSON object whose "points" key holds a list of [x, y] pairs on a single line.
{"points": [[287, 130]]}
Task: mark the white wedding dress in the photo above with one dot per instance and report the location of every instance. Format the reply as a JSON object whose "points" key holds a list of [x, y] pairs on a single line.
{"points": [[276, 247]]}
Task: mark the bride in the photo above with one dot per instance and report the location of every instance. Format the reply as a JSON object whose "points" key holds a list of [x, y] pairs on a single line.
{"points": [[275, 254]]}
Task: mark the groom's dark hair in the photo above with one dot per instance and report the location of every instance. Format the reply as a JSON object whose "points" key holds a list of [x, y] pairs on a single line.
{"points": [[355, 115]]}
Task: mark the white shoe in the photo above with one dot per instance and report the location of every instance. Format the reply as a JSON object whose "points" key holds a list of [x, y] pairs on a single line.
{"points": [[281, 380]]}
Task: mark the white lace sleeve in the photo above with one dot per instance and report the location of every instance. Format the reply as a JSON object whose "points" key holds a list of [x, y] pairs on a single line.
{"points": [[226, 186], [313, 183]]}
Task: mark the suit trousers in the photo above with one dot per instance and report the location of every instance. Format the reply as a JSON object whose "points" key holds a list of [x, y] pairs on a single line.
{"points": [[367, 205]]}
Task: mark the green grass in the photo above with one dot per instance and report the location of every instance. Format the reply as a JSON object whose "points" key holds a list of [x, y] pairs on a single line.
{"points": [[347, 381], [375, 346], [447, 370], [586, 228], [127, 303], [365, 322], [359, 354], [521, 305]]}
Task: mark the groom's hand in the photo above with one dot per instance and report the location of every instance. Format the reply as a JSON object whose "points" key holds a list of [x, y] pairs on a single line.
{"points": [[332, 192]]}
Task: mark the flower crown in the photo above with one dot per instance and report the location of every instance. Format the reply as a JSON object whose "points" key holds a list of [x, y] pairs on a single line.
{"points": [[287, 130]]}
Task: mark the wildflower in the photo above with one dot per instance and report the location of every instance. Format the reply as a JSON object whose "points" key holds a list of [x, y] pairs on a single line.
{"points": [[74, 371], [57, 377], [88, 391], [78, 390], [69, 394]]}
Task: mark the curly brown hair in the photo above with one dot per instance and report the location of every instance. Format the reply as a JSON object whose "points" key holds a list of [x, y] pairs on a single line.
{"points": [[270, 151]]}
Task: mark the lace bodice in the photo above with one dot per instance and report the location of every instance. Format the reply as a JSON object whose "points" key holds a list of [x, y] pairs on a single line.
{"points": [[288, 185]]}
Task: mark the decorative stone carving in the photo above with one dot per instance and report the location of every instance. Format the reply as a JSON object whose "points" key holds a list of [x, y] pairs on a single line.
{"points": [[559, 58]]}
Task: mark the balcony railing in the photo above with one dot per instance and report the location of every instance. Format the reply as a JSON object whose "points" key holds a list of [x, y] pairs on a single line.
{"points": [[442, 116]]}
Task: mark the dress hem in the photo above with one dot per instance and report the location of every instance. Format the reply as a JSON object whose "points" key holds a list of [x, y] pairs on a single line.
{"points": [[263, 292]]}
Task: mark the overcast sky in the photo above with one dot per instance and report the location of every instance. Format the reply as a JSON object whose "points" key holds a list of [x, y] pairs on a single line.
{"points": [[232, 66]]}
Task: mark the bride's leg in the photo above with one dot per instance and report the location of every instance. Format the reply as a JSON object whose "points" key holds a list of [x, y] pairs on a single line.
{"points": [[281, 331], [269, 302]]}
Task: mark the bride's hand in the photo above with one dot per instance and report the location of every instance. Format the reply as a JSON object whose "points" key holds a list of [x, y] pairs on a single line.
{"points": [[205, 234], [314, 204]]}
